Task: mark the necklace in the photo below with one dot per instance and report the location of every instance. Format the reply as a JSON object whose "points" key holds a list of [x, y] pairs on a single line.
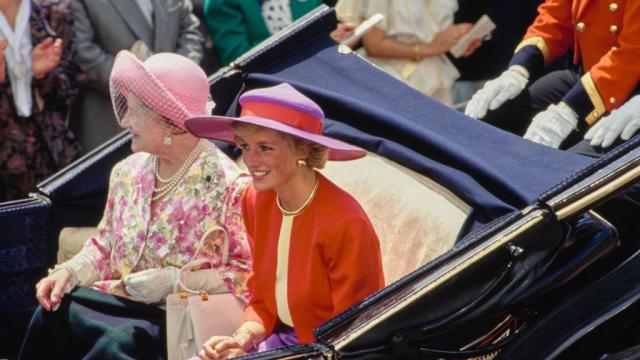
{"points": [[301, 208], [170, 184]]}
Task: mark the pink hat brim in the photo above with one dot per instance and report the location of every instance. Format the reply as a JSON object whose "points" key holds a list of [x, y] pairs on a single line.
{"points": [[219, 128]]}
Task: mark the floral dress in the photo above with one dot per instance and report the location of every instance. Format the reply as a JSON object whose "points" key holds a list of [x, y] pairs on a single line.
{"points": [[131, 238]]}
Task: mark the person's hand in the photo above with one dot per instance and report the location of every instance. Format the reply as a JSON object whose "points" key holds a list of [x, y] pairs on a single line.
{"points": [[3, 64], [553, 125], [208, 280], [49, 290], [221, 347], [45, 57], [623, 122], [343, 31], [141, 50], [473, 46], [152, 285], [445, 39], [497, 91]]}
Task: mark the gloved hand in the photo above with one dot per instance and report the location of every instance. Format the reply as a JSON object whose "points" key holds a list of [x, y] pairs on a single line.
{"points": [[152, 285], [208, 280], [623, 122], [497, 91], [553, 125]]}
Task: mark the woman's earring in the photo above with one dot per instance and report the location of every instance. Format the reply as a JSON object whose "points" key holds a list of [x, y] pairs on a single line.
{"points": [[167, 140], [301, 162]]}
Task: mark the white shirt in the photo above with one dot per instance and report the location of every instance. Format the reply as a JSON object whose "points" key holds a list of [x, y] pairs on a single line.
{"points": [[417, 21]]}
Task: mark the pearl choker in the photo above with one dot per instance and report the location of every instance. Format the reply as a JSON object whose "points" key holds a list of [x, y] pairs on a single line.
{"points": [[301, 208]]}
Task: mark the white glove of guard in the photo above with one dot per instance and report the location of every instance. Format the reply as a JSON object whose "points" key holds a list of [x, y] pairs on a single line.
{"points": [[152, 285], [497, 91], [552, 126], [623, 122]]}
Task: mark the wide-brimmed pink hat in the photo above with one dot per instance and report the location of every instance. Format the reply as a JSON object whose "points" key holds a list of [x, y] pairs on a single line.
{"points": [[170, 84], [281, 108]]}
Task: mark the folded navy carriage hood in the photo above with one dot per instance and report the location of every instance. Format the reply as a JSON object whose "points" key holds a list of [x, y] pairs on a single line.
{"points": [[493, 171]]}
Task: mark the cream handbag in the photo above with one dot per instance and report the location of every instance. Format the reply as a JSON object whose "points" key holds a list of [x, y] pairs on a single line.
{"points": [[198, 312]]}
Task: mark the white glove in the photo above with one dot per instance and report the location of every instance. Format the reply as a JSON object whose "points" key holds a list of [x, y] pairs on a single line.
{"points": [[208, 280], [497, 91], [553, 125], [82, 270], [623, 122], [152, 285]]}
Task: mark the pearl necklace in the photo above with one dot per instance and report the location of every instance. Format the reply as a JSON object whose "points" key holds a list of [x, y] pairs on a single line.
{"points": [[301, 208], [161, 191]]}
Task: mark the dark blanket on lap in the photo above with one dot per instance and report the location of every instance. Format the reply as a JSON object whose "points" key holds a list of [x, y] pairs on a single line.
{"points": [[93, 325]]}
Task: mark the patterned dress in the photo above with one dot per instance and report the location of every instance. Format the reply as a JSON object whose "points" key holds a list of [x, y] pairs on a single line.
{"points": [[35, 147], [131, 238]]}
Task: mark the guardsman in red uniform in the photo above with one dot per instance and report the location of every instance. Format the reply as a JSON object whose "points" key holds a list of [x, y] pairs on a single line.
{"points": [[604, 36]]}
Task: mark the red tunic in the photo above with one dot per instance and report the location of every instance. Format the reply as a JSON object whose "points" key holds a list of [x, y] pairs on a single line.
{"points": [[604, 36], [334, 258]]}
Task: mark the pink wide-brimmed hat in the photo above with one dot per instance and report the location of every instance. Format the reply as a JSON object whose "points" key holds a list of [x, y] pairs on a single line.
{"points": [[281, 108], [169, 84]]}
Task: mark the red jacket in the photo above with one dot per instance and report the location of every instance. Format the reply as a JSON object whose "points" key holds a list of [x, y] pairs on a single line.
{"points": [[334, 258], [605, 38]]}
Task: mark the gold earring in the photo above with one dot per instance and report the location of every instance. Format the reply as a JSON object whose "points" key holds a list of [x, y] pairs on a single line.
{"points": [[301, 162]]}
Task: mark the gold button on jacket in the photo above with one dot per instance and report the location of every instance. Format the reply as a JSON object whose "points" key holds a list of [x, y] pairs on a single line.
{"points": [[581, 26]]}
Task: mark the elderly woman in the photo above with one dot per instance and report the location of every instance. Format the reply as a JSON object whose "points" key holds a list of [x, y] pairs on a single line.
{"points": [[315, 250], [176, 199]]}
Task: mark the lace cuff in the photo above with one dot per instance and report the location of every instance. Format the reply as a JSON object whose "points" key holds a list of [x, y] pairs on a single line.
{"points": [[81, 268]]}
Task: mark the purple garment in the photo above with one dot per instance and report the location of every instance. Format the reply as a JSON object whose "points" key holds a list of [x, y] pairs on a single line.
{"points": [[284, 336]]}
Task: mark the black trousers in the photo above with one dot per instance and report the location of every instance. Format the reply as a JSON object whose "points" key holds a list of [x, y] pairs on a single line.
{"points": [[515, 115]]}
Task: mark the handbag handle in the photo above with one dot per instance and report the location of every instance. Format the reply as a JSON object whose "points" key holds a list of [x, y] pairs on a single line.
{"points": [[225, 244], [194, 264]]}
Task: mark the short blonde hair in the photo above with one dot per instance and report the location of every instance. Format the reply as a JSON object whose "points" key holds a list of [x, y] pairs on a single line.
{"points": [[318, 154]]}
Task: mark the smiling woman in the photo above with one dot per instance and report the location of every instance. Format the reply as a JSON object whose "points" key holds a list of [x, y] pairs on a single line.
{"points": [[315, 250]]}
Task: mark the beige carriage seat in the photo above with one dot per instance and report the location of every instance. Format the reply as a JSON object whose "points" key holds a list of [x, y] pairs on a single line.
{"points": [[71, 241], [415, 218]]}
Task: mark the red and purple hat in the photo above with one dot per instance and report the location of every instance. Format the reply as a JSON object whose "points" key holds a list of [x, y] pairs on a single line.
{"points": [[281, 108]]}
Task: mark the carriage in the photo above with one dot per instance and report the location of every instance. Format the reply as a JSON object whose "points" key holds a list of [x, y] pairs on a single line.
{"points": [[492, 245]]}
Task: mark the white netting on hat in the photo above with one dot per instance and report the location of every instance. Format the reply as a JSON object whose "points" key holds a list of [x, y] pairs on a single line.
{"points": [[131, 109], [130, 76]]}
